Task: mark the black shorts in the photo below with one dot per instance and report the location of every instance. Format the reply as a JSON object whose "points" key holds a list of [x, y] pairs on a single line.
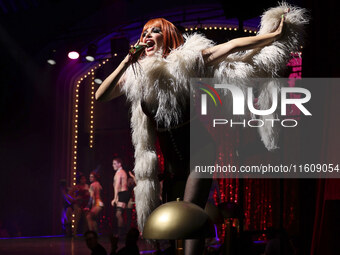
{"points": [[123, 196]]}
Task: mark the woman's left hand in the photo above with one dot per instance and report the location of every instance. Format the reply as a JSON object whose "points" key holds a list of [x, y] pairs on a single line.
{"points": [[278, 32]]}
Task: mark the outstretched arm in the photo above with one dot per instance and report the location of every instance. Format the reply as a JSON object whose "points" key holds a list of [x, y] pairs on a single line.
{"points": [[219, 51], [110, 88]]}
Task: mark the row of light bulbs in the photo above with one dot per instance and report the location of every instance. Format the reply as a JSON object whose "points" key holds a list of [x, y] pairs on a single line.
{"points": [[76, 121], [76, 115], [220, 28]]}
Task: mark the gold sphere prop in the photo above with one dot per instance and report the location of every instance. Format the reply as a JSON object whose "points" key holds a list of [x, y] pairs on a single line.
{"points": [[178, 220]]}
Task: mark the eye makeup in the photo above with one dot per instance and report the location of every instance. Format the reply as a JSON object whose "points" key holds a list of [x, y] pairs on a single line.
{"points": [[154, 30]]}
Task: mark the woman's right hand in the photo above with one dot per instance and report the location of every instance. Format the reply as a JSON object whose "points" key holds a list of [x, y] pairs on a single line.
{"points": [[110, 88], [135, 52]]}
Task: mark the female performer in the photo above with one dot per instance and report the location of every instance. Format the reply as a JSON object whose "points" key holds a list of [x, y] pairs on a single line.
{"points": [[81, 194], [159, 92], [96, 204]]}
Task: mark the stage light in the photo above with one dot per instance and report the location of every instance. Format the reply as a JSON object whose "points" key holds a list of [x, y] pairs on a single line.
{"points": [[52, 62], [52, 58], [98, 81], [91, 52], [73, 55], [99, 77]]}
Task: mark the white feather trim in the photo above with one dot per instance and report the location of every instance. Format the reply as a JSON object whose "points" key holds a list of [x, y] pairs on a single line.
{"points": [[163, 83], [269, 61]]}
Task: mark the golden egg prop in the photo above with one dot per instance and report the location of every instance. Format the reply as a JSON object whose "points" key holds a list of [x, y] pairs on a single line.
{"points": [[178, 220]]}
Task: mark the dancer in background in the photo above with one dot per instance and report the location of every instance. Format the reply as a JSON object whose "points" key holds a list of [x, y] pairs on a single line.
{"points": [[95, 204], [159, 89], [81, 195], [68, 202], [121, 193]]}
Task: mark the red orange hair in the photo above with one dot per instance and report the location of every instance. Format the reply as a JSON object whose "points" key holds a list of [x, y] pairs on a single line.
{"points": [[172, 37], [95, 175]]}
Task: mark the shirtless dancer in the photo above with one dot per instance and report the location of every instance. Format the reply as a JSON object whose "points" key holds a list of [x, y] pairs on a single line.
{"points": [[121, 193]]}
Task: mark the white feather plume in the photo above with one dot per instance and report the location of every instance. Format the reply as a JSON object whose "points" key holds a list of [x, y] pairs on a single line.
{"points": [[267, 62]]}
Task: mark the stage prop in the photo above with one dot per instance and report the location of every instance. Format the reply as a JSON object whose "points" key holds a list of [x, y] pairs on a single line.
{"points": [[178, 220]]}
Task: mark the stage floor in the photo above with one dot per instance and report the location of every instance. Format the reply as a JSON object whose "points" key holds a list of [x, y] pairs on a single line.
{"points": [[61, 246]]}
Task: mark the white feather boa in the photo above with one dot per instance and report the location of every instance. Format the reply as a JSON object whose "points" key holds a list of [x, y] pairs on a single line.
{"points": [[162, 82], [165, 83]]}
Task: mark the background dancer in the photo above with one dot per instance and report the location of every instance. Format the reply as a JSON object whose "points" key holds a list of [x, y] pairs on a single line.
{"points": [[121, 194], [81, 194], [95, 203]]}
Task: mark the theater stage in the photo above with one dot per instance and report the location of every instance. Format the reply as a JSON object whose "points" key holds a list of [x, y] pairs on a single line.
{"points": [[60, 245]]}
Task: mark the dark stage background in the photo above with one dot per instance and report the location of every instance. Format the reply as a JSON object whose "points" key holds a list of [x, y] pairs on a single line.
{"points": [[36, 114]]}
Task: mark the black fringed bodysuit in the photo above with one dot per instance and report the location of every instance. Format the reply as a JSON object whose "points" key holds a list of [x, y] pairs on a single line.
{"points": [[175, 145]]}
